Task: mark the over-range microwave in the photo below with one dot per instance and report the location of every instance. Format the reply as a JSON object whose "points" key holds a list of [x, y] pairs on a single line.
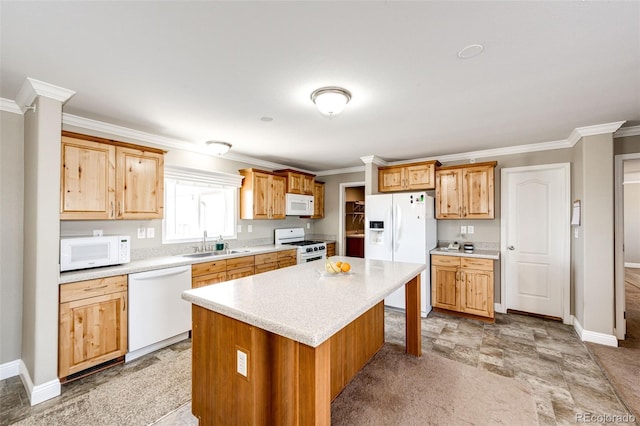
{"points": [[299, 205], [91, 252]]}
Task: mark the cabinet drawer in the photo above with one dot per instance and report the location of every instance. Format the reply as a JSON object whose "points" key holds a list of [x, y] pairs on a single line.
{"points": [[208, 267], [240, 262], [288, 255], [215, 278], [233, 274], [265, 258], [475, 263], [98, 287], [266, 267], [445, 260], [283, 263]]}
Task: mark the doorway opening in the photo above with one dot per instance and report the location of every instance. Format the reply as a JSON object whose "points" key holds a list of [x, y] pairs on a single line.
{"points": [[352, 210], [627, 232]]}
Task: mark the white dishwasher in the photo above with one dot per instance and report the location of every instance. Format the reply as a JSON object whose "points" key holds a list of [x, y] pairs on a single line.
{"points": [[158, 316]]}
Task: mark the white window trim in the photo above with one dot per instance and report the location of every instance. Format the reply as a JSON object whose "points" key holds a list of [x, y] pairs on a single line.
{"points": [[201, 176]]}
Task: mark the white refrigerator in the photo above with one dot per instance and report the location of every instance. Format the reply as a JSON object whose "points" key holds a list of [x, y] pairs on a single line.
{"points": [[402, 227]]}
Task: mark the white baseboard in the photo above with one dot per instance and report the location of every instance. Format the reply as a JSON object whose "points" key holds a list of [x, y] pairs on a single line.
{"points": [[594, 336], [631, 265], [9, 369], [39, 393], [498, 307], [154, 347]]}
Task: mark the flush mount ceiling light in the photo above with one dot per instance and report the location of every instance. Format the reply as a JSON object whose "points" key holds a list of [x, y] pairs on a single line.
{"points": [[470, 51], [331, 100], [218, 147]]}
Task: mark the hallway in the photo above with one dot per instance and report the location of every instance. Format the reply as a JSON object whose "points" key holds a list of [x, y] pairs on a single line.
{"points": [[622, 364]]}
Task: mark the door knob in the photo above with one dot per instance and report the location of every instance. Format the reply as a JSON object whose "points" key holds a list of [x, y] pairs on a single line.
{"points": [[511, 248]]}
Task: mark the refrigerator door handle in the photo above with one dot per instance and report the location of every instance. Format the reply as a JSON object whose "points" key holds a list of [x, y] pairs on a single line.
{"points": [[398, 226]]}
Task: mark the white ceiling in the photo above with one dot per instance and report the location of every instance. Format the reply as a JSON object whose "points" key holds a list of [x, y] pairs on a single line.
{"points": [[196, 71]]}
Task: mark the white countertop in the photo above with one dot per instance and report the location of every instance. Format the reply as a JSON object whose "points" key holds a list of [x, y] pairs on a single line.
{"points": [[159, 263], [303, 302], [483, 254]]}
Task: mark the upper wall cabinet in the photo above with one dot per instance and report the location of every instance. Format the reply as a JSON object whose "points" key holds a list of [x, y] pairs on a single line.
{"points": [[466, 191], [262, 195], [297, 182], [102, 179], [407, 177]]}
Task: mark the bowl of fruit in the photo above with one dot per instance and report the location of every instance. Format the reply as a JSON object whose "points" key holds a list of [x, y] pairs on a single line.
{"points": [[336, 268]]}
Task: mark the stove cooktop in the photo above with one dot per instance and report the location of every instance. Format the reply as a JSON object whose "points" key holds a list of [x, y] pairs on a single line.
{"points": [[303, 243]]}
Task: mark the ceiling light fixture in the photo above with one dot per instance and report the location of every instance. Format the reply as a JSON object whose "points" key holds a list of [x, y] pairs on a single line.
{"points": [[470, 51], [331, 100], [218, 147]]}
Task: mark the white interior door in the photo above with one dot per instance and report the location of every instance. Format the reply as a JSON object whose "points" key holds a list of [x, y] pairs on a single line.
{"points": [[536, 235]]}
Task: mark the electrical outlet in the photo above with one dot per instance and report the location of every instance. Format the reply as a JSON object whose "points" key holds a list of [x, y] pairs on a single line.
{"points": [[142, 233], [241, 363], [151, 232], [97, 232], [463, 229], [239, 229], [308, 225], [249, 228], [470, 229]]}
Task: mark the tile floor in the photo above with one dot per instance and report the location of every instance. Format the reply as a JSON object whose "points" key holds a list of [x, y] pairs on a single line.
{"points": [[548, 355]]}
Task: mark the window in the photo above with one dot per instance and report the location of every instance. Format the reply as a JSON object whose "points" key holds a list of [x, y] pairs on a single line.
{"points": [[198, 201]]}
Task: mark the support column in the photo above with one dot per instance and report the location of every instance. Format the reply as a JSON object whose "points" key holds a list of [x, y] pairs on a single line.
{"points": [[371, 164], [42, 106]]}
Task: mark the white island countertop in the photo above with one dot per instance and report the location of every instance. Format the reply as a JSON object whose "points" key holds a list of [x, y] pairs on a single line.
{"points": [[303, 302]]}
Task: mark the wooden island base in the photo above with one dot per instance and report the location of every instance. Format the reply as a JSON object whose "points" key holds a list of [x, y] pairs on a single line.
{"points": [[287, 382]]}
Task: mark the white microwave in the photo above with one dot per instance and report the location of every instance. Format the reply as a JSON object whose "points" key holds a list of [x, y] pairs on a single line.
{"points": [[299, 205], [91, 252]]}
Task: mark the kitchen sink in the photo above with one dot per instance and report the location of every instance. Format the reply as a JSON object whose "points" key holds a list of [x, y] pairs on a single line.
{"points": [[213, 253]]}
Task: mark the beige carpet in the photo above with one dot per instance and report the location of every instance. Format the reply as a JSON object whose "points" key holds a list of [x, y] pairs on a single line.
{"points": [[398, 389], [622, 364], [138, 398]]}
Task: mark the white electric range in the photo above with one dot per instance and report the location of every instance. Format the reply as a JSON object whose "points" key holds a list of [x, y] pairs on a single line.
{"points": [[308, 250]]}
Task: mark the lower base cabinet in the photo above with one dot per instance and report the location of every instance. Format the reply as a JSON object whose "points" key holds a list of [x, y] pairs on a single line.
{"points": [[462, 284], [92, 323]]}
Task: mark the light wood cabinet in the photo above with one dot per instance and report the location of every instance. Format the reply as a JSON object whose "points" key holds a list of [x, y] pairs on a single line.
{"points": [[208, 273], [287, 258], [262, 195], [331, 249], [297, 182], [465, 192], [407, 177], [92, 324], [266, 262], [318, 200], [104, 179], [462, 284]]}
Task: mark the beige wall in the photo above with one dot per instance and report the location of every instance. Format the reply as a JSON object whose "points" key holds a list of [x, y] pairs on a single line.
{"points": [[628, 145], [577, 245], [11, 229]]}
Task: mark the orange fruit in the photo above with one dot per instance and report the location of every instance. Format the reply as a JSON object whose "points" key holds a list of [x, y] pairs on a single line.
{"points": [[345, 267], [338, 264]]}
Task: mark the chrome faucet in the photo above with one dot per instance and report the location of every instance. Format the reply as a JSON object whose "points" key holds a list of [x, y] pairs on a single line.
{"points": [[204, 241]]}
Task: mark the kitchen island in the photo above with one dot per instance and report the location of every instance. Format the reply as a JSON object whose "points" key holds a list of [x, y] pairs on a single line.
{"points": [[276, 348]]}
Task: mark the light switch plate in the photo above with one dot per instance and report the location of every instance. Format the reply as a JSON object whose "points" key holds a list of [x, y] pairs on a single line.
{"points": [[241, 363], [239, 229], [470, 229], [463, 229], [151, 232], [142, 233], [308, 225], [249, 228]]}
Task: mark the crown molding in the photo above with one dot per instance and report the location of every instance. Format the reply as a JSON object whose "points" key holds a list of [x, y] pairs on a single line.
{"points": [[354, 169], [32, 88], [627, 131], [598, 129], [162, 141], [8, 105], [374, 159]]}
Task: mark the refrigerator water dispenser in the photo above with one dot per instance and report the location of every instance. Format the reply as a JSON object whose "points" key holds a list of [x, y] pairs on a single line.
{"points": [[376, 232]]}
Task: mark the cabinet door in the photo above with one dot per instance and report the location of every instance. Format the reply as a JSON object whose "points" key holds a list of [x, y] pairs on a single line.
{"points": [[287, 258], [140, 184], [261, 195], [478, 192], [215, 278], [277, 195], [421, 176], [331, 249], [91, 331], [295, 183], [234, 274], [449, 194], [390, 179], [88, 180], [477, 292], [444, 287], [318, 201], [308, 185]]}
